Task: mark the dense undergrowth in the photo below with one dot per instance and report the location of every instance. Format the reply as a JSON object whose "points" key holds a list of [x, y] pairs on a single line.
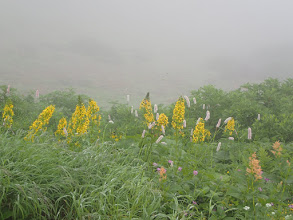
{"points": [[190, 169]]}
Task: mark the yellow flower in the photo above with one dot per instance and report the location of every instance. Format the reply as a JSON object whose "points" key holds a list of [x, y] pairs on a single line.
{"points": [[178, 114], [147, 107], [230, 126], [200, 133], [7, 115], [41, 121], [162, 120], [60, 129]]}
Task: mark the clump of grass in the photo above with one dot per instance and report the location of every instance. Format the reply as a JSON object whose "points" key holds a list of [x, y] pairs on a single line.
{"points": [[46, 181]]}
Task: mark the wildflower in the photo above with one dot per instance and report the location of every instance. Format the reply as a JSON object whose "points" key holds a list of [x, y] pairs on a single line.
{"points": [[191, 131], [219, 146], [203, 106], [8, 114], [8, 89], [61, 126], [37, 94], [273, 213], [187, 101], [150, 126], [227, 119], [200, 133], [158, 169], [288, 217], [239, 170], [135, 113], [155, 108], [231, 138], [163, 175], [249, 134], [159, 139], [170, 162], [164, 143], [194, 100], [143, 133], [163, 129], [246, 208], [277, 149], [157, 116], [131, 110], [178, 114], [40, 122], [257, 204], [268, 205], [258, 117], [219, 123], [115, 137], [208, 115], [230, 126], [155, 164], [260, 189], [179, 169], [65, 132], [184, 123], [267, 179], [198, 120], [111, 122], [195, 172], [254, 167], [147, 107], [194, 202], [162, 120]]}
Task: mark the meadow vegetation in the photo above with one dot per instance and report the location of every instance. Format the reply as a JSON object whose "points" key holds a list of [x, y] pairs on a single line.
{"points": [[213, 154]]}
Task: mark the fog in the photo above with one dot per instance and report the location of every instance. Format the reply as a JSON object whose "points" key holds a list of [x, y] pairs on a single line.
{"points": [[108, 49]]}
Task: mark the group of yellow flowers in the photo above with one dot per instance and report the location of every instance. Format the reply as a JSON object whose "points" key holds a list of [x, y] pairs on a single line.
{"points": [[84, 118], [7, 115], [81, 120]]}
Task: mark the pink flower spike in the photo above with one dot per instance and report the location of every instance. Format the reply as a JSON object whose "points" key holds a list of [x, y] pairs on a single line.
{"points": [[37, 94], [219, 123], [170, 162], [179, 169], [158, 169], [195, 172], [231, 138], [155, 164], [194, 202], [249, 134]]}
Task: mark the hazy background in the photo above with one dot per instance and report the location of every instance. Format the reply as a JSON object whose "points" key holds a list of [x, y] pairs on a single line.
{"points": [[108, 49]]}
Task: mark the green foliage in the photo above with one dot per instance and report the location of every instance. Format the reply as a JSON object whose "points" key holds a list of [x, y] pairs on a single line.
{"points": [[118, 175]]}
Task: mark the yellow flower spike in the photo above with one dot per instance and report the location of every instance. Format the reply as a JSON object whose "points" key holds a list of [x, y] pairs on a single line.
{"points": [[230, 126], [41, 121], [178, 114], [200, 133], [60, 129], [8, 115], [147, 107]]}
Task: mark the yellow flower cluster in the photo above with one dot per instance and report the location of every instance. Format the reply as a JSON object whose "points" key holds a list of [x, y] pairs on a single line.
{"points": [[7, 115], [178, 114], [92, 113], [148, 114], [38, 125], [200, 133], [115, 137], [62, 124], [162, 120], [83, 119], [230, 126]]}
